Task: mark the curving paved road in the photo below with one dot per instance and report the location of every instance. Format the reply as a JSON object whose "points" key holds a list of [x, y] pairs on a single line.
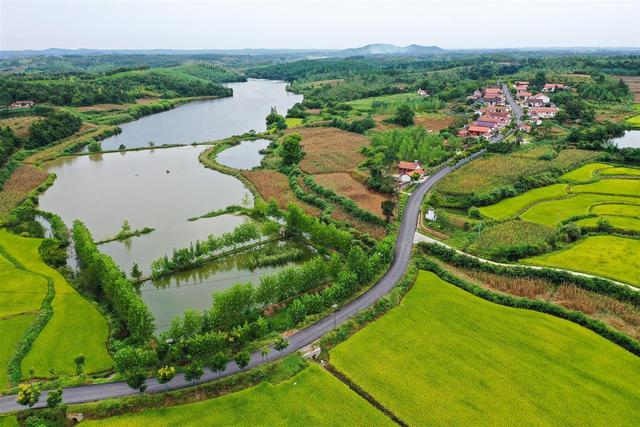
{"points": [[298, 340]]}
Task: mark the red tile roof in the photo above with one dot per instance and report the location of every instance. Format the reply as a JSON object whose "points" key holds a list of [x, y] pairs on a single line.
{"points": [[481, 129]]}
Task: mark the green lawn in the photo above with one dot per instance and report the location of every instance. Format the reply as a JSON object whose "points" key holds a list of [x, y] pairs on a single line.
{"points": [[293, 122], [76, 326], [553, 211], [619, 187], [311, 398], [11, 329], [623, 222], [23, 291], [510, 207], [620, 171], [614, 257], [446, 357], [584, 173], [395, 99]]}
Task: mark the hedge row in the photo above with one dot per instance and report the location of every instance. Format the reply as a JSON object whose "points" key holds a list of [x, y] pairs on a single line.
{"points": [[302, 195], [114, 286], [593, 284], [578, 317]]}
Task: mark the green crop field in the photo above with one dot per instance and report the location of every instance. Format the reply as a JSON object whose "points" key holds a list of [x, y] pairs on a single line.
{"points": [[622, 222], [496, 240], [584, 173], [446, 357], [510, 207], [396, 99], [76, 326], [554, 211], [615, 209], [619, 187], [311, 398], [614, 257], [293, 122], [620, 171], [11, 329], [496, 170], [23, 291]]}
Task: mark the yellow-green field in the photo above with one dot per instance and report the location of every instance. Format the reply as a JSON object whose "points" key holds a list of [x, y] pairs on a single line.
{"points": [[510, 207], [618, 187], [311, 398], [11, 329], [22, 291], [293, 122], [622, 171], [617, 258], [584, 173], [621, 222], [446, 357], [76, 326]]}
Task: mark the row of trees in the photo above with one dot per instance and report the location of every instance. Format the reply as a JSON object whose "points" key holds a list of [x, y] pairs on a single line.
{"points": [[113, 287], [196, 254]]}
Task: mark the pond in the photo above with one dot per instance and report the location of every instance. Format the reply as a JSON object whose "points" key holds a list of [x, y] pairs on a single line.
{"points": [[158, 188], [170, 296], [208, 120], [245, 155], [631, 138]]}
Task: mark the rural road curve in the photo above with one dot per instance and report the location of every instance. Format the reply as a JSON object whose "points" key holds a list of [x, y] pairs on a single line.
{"points": [[298, 340]]}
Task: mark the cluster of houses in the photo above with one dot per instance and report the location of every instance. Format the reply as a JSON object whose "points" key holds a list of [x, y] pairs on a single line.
{"points": [[539, 105], [494, 114]]}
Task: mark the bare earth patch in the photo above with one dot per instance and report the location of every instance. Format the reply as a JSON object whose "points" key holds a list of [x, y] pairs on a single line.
{"points": [[20, 125], [634, 85], [345, 185], [434, 122], [329, 150]]}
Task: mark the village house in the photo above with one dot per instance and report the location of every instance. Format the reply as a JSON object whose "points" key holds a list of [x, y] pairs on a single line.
{"points": [[22, 104], [523, 95], [409, 168], [423, 92], [522, 83], [524, 127], [543, 112], [545, 99], [534, 102], [521, 88], [552, 87], [474, 130], [477, 94]]}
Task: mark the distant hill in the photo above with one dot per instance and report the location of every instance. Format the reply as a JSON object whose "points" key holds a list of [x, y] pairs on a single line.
{"points": [[372, 49], [390, 49]]}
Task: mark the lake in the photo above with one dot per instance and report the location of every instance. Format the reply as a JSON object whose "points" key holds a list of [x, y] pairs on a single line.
{"points": [[245, 155], [162, 188], [170, 296], [208, 120], [631, 138]]}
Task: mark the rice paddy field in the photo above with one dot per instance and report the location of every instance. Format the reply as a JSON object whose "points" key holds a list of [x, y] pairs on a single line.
{"points": [[510, 207], [553, 204], [496, 170], [620, 222], [11, 329], [56, 347], [614, 257], [446, 357], [311, 398], [495, 240]]}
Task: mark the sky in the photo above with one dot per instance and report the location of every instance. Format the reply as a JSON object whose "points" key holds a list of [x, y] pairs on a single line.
{"points": [[231, 24]]}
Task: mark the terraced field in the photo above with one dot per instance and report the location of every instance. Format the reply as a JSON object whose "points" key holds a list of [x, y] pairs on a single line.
{"points": [[559, 202], [614, 257], [311, 398], [445, 357], [56, 347]]}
